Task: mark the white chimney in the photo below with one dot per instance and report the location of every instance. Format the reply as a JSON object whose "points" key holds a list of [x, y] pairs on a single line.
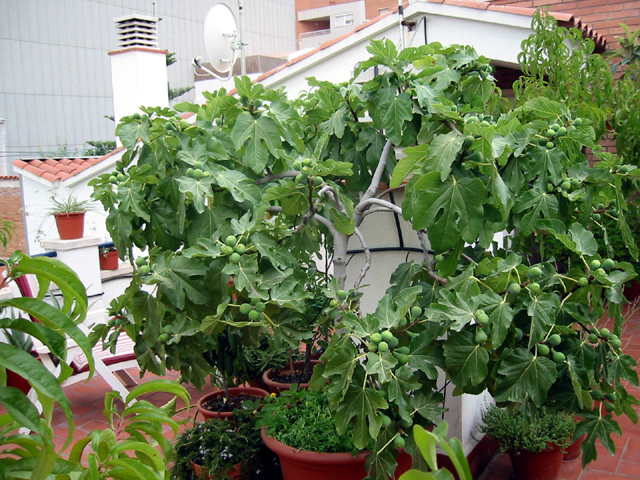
{"points": [[138, 67]]}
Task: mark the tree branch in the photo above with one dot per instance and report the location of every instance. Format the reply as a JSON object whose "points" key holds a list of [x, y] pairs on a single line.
{"points": [[375, 181], [453, 127], [367, 255], [363, 205], [388, 191], [427, 259], [272, 176]]}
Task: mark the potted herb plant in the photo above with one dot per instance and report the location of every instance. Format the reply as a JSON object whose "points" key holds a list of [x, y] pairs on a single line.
{"points": [[216, 449], [108, 258], [298, 427], [69, 215], [536, 447]]}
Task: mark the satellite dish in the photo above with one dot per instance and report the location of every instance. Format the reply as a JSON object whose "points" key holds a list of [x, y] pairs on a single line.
{"points": [[221, 38]]}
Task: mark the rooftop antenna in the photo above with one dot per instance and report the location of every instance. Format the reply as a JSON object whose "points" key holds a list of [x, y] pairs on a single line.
{"points": [[222, 41]]}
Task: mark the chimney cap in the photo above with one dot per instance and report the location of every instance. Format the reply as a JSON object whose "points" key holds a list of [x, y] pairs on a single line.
{"points": [[136, 16], [136, 31]]}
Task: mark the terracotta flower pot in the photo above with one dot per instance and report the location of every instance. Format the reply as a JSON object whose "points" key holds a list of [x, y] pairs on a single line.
{"points": [[302, 465], [70, 225], [234, 392], [109, 260], [234, 472], [277, 387], [537, 466]]}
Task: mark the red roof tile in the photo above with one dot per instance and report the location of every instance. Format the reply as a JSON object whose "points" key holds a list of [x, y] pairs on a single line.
{"points": [[9, 177], [52, 169]]}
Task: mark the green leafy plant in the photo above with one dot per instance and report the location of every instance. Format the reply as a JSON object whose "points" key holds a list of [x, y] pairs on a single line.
{"points": [[629, 50], [218, 445], [301, 419], [104, 250], [427, 443], [70, 204], [6, 232], [235, 209], [127, 446], [534, 435], [99, 147]]}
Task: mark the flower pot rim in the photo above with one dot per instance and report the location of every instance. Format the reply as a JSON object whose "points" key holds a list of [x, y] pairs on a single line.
{"points": [[307, 456], [234, 471], [279, 386], [258, 392]]}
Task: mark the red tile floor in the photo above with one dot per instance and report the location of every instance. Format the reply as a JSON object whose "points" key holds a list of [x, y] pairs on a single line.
{"points": [[87, 402]]}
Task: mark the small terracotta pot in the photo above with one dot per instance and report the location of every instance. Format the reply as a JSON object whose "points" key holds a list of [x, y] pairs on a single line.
{"points": [[233, 472], [256, 392], [109, 260], [537, 466], [302, 465], [277, 387], [70, 225]]}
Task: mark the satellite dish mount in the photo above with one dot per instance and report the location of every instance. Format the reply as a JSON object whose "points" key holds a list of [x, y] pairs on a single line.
{"points": [[223, 41]]}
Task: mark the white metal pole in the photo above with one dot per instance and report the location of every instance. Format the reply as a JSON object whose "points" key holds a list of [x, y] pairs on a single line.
{"points": [[400, 23], [243, 64]]}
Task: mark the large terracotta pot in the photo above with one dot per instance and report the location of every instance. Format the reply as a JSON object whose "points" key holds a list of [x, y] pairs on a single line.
{"points": [[256, 392], [70, 225], [537, 466], [573, 450], [303, 465], [277, 387], [109, 260], [234, 472]]}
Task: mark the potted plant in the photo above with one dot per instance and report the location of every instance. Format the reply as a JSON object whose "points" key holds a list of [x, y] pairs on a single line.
{"points": [[69, 216], [108, 258], [305, 332], [264, 356], [216, 449], [227, 357], [298, 427], [536, 447]]}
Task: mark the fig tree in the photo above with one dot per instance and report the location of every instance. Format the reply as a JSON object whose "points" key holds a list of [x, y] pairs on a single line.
{"points": [[535, 272], [376, 337], [231, 241], [241, 248], [234, 258], [558, 357], [481, 337], [254, 315], [245, 308], [554, 340], [595, 264], [608, 264], [383, 347], [583, 281], [416, 311]]}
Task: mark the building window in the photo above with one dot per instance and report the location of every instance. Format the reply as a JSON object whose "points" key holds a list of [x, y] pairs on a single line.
{"points": [[382, 11], [344, 20]]}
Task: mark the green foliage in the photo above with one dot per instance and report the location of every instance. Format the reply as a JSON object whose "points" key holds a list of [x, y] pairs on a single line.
{"points": [[534, 435], [6, 232], [100, 148], [70, 204], [126, 448], [301, 419], [217, 445], [559, 64], [290, 180], [427, 443], [629, 50]]}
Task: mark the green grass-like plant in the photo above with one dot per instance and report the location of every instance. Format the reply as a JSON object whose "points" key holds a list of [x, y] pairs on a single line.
{"points": [[70, 204]]}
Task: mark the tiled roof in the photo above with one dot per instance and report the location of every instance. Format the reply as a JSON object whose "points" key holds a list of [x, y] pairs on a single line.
{"points": [[567, 20], [52, 169], [9, 177]]}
